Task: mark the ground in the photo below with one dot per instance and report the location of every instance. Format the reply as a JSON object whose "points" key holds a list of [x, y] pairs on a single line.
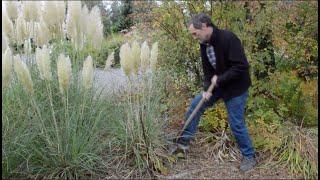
{"points": [[200, 163]]}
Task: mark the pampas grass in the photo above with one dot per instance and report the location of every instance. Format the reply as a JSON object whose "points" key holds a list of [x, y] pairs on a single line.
{"points": [[23, 74], [53, 15], [87, 73], [125, 53], [30, 10], [7, 25], [154, 56], [74, 24], [73, 18], [6, 67], [85, 23], [43, 34], [22, 32], [43, 63], [135, 57], [64, 72], [131, 59], [4, 43], [12, 9], [109, 61], [27, 46], [144, 56], [95, 30]]}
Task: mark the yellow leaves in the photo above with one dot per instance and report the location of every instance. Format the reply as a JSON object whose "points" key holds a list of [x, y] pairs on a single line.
{"points": [[216, 118], [264, 135], [160, 167]]}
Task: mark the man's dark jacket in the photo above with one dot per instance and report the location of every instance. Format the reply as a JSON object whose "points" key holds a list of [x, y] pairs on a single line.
{"points": [[232, 67]]}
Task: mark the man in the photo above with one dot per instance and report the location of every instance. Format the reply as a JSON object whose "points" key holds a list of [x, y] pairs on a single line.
{"points": [[225, 65]]}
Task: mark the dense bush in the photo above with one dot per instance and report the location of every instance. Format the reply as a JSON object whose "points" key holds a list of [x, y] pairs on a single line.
{"points": [[280, 42]]}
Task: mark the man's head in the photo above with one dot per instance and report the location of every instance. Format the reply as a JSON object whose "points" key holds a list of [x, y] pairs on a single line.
{"points": [[201, 27]]}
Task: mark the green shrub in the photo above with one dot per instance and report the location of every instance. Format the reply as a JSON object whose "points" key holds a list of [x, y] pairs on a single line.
{"points": [[299, 104]]}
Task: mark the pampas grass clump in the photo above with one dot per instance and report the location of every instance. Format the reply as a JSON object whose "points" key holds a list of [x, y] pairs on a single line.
{"points": [[133, 58]]}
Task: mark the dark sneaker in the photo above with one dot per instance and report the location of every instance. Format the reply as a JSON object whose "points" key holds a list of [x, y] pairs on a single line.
{"points": [[247, 164]]}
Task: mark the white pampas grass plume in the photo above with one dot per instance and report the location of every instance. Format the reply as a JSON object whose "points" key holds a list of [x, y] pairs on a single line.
{"points": [[125, 53], [144, 56], [6, 67], [23, 73], [42, 33], [27, 46], [30, 10], [154, 56], [22, 33], [77, 41], [85, 22], [95, 28], [53, 15], [61, 11], [98, 38], [73, 18], [12, 9], [64, 72], [53, 12], [7, 25], [43, 62], [135, 57], [73, 25], [109, 61], [87, 73], [4, 43]]}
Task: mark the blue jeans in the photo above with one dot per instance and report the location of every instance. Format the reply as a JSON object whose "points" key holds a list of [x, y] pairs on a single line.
{"points": [[235, 108]]}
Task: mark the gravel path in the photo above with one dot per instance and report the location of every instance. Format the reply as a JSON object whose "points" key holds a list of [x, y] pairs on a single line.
{"points": [[109, 81]]}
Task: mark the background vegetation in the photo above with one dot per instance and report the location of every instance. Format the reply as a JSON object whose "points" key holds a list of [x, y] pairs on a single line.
{"points": [[122, 135]]}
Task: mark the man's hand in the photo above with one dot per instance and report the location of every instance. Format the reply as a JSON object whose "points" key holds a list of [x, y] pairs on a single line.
{"points": [[206, 95], [214, 80]]}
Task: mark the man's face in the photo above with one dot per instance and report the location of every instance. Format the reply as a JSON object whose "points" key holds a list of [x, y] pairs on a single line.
{"points": [[202, 35]]}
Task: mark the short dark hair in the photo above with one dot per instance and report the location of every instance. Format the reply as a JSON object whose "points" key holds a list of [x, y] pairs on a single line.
{"points": [[198, 19]]}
